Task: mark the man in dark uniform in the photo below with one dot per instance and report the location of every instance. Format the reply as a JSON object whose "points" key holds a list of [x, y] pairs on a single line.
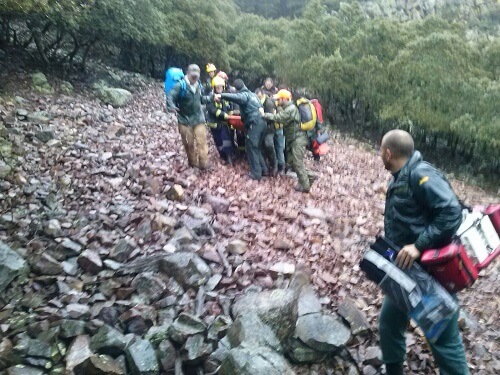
{"points": [[255, 126], [269, 151], [421, 212]]}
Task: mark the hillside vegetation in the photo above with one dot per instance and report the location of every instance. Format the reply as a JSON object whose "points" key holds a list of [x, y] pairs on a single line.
{"points": [[431, 67]]}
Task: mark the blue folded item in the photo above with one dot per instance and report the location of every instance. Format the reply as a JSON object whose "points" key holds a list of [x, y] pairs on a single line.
{"points": [[413, 290]]}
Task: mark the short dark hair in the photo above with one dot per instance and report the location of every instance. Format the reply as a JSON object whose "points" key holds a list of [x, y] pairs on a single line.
{"points": [[399, 142], [238, 84], [258, 91]]}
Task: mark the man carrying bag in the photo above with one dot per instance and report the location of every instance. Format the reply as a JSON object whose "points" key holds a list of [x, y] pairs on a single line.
{"points": [[421, 212]]}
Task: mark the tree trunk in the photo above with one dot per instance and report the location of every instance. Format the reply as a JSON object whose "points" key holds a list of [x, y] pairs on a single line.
{"points": [[37, 37], [86, 53]]}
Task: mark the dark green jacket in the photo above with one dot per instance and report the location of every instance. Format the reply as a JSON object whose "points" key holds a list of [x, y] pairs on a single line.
{"points": [[421, 208], [268, 105], [249, 106], [290, 118], [190, 110]]}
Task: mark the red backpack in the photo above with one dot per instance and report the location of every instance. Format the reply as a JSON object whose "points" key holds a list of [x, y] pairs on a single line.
{"points": [[319, 110]]}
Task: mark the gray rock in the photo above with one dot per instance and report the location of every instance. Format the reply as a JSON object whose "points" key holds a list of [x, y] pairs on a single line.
{"points": [[71, 328], [175, 193], [108, 341], [144, 231], [219, 327], [166, 355], [219, 205], [99, 365], [41, 349], [249, 331], [157, 334], [186, 268], [276, 308], [182, 236], [22, 113], [308, 302], [115, 130], [90, 261], [315, 213], [73, 249], [39, 118], [122, 250], [213, 282], [184, 326], [322, 332], [373, 356], [20, 100], [54, 143], [70, 266], [298, 352], [237, 247], [114, 96], [112, 265], [282, 268], [45, 135], [195, 350], [7, 357], [78, 352], [12, 265], [45, 264], [369, 370], [149, 285], [223, 348], [252, 361], [53, 228], [24, 370], [78, 311], [141, 358], [5, 169], [357, 319]]}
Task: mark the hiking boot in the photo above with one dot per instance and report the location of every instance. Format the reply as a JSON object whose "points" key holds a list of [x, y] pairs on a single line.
{"points": [[229, 160], [300, 189]]}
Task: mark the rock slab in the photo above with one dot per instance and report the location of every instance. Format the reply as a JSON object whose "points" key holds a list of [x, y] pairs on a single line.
{"points": [[12, 265]]}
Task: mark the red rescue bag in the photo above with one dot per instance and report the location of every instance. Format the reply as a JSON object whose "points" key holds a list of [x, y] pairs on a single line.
{"points": [[235, 122], [451, 266], [320, 149], [319, 110]]}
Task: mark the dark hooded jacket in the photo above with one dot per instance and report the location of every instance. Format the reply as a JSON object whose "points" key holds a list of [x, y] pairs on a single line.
{"points": [[249, 104], [421, 207]]}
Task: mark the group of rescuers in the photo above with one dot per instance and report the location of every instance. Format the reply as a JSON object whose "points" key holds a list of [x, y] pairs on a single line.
{"points": [[273, 138], [422, 211]]}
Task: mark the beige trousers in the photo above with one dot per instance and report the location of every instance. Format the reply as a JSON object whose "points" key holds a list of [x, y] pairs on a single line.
{"points": [[197, 154]]}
